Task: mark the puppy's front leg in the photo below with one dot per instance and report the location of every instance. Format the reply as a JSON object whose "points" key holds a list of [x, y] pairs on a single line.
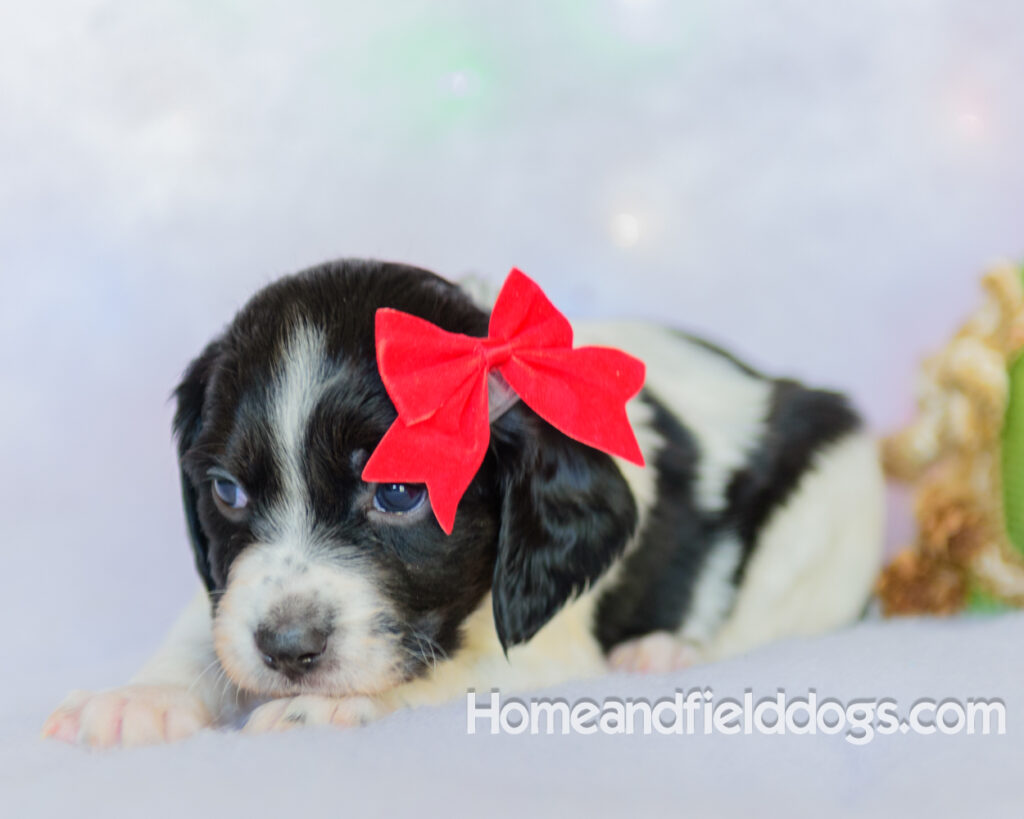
{"points": [[181, 690]]}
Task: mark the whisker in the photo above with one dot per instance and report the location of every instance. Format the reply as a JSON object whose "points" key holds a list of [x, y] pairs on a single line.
{"points": [[202, 673], [427, 649]]}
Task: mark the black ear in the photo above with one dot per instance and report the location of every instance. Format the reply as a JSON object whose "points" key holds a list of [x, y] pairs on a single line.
{"points": [[566, 514], [190, 395]]}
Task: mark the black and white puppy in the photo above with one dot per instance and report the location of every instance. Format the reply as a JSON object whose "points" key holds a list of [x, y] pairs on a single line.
{"points": [[330, 600]]}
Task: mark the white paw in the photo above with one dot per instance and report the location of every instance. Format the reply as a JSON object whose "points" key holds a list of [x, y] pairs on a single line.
{"points": [[129, 716], [654, 653], [310, 709]]}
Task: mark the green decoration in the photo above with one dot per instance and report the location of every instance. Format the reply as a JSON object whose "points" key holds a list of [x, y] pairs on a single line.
{"points": [[1013, 457]]}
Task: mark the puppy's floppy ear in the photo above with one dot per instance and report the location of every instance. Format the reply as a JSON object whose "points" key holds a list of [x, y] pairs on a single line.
{"points": [[188, 421], [566, 513]]}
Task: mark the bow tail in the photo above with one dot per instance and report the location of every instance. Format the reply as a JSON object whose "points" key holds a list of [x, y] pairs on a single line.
{"points": [[443, 451]]}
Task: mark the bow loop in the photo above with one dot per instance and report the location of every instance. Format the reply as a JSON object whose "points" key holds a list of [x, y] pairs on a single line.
{"points": [[438, 382], [523, 313]]}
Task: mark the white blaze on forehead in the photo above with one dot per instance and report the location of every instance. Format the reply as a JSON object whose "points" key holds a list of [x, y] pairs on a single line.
{"points": [[302, 375]]}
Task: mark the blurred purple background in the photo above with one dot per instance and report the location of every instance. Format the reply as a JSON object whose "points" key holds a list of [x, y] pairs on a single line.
{"points": [[816, 187]]}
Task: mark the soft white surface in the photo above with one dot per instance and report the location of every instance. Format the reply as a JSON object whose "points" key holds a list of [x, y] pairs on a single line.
{"points": [[423, 763], [816, 185]]}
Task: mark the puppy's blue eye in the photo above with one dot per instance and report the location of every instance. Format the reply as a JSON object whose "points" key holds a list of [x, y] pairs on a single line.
{"points": [[230, 493], [399, 498]]}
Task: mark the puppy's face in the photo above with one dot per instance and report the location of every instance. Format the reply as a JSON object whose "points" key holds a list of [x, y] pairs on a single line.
{"points": [[323, 583]]}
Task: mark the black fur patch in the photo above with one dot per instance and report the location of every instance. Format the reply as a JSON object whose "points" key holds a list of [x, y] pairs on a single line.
{"points": [[655, 582], [655, 587], [801, 423], [567, 513]]}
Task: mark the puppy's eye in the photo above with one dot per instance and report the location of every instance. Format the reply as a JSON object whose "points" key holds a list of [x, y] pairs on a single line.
{"points": [[229, 493], [399, 498]]}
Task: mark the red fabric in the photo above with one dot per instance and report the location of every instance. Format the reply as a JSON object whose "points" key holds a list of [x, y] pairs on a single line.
{"points": [[438, 383]]}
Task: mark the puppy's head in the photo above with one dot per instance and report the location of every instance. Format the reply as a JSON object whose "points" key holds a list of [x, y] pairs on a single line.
{"points": [[323, 583]]}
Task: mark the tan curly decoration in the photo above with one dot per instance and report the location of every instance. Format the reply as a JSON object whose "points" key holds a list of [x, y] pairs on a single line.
{"points": [[951, 454]]}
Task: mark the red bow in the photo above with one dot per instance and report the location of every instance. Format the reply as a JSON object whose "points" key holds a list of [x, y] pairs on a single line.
{"points": [[438, 383]]}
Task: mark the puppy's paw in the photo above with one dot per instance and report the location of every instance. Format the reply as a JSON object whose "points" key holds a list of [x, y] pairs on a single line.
{"points": [[310, 709], [655, 653], [130, 716]]}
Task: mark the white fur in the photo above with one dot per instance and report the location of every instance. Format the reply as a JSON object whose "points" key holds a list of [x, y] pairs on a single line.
{"points": [[642, 480], [187, 658], [714, 591], [817, 557], [724, 407], [301, 379], [563, 649]]}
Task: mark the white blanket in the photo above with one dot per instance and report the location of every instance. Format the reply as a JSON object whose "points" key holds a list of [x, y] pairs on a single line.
{"points": [[424, 763]]}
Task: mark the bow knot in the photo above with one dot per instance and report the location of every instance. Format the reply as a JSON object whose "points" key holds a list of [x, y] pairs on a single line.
{"points": [[496, 352], [438, 382]]}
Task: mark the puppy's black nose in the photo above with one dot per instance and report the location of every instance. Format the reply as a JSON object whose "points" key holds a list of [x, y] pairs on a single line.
{"points": [[293, 649]]}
